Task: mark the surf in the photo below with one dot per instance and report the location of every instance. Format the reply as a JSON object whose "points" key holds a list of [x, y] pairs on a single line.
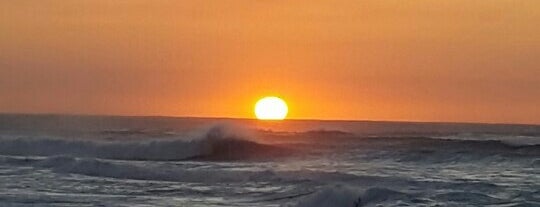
{"points": [[216, 143]]}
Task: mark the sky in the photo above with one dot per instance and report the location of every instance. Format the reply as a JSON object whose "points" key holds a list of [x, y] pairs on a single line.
{"points": [[455, 61]]}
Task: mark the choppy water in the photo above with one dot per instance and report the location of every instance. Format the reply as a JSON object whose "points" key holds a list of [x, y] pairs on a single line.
{"points": [[153, 161]]}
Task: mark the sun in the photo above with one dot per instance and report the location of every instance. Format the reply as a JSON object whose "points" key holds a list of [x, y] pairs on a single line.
{"points": [[271, 108]]}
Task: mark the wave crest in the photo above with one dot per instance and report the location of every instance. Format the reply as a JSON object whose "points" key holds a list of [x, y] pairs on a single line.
{"points": [[339, 195], [219, 142]]}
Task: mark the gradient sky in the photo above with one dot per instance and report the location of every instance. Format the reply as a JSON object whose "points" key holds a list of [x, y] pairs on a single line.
{"points": [[458, 60]]}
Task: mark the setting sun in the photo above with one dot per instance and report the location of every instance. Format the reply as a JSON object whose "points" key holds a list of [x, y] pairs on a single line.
{"points": [[271, 108]]}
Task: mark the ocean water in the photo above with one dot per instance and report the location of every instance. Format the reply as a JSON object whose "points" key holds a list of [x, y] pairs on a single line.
{"points": [[51, 160]]}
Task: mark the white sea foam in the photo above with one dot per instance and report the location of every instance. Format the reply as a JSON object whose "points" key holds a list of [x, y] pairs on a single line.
{"points": [[331, 197], [339, 195], [146, 171]]}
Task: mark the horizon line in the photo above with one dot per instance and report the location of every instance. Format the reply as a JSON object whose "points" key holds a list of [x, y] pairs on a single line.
{"points": [[255, 119]]}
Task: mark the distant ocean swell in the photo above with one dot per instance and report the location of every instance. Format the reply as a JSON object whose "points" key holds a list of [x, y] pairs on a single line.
{"points": [[437, 150]]}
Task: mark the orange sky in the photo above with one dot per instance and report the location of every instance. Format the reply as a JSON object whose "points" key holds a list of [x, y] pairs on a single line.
{"points": [[459, 60]]}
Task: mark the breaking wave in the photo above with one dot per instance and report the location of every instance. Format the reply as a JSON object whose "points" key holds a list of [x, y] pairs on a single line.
{"points": [[223, 142], [340, 195], [217, 143]]}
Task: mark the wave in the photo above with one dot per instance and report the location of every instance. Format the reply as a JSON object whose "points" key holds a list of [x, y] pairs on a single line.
{"points": [[478, 148], [180, 172], [136, 170], [359, 190], [224, 142], [103, 168], [346, 137], [340, 195], [163, 171], [217, 143], [516, 140], [428, 149], [434, 150], [330, 197]]}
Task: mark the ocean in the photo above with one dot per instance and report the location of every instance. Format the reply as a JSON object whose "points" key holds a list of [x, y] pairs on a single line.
{"points": [[61, 160]]}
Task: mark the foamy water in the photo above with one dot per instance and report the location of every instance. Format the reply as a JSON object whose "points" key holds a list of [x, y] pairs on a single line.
{"points": [[153, 161]]}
